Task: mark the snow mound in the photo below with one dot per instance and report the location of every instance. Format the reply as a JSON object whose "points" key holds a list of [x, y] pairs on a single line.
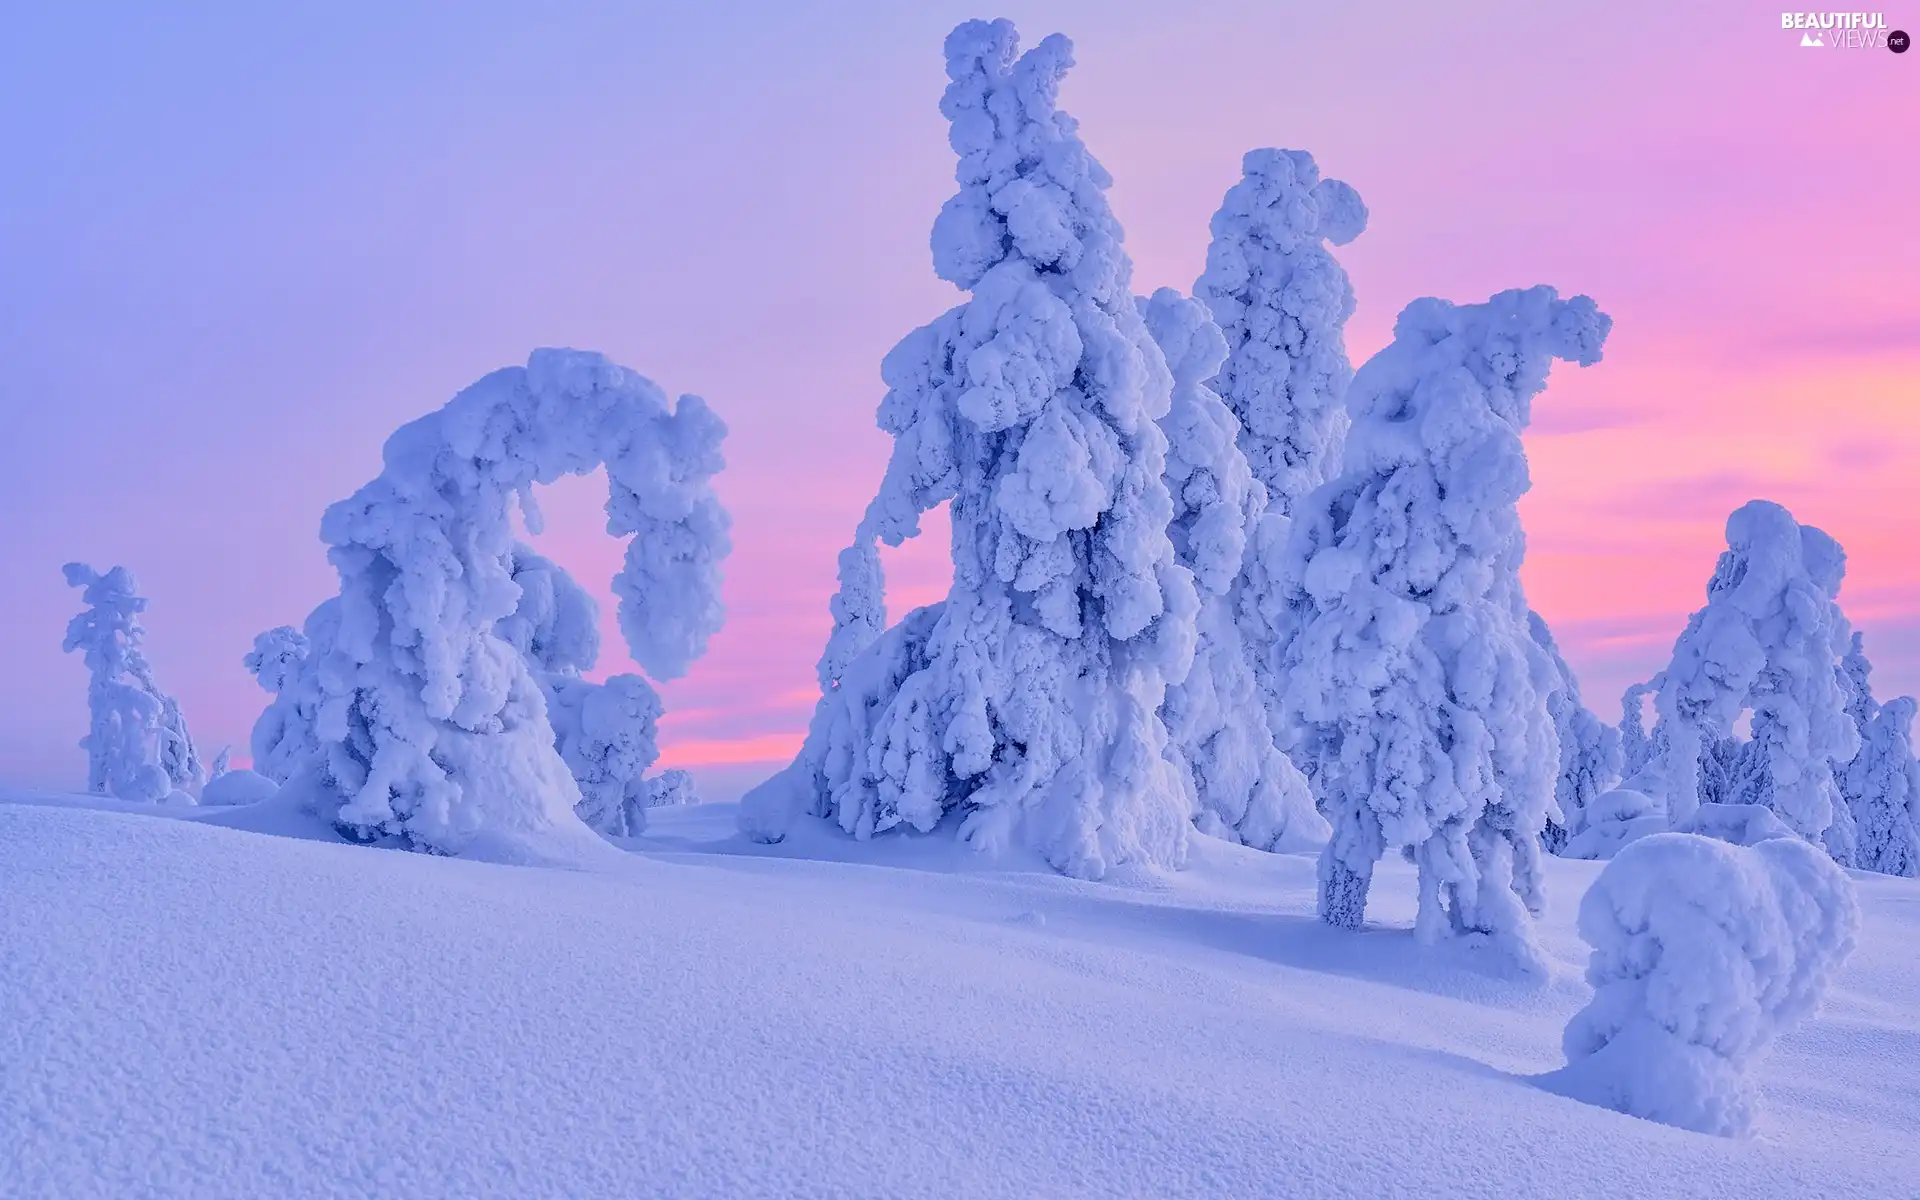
{"points": [[239, 786], [1703, 953]]}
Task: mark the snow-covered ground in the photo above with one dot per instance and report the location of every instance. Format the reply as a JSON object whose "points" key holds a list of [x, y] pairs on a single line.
{"points": [[195, 1010]]}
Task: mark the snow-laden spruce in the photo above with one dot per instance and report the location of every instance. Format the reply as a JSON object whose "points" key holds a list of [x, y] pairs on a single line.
{"points": [[1589, 747], [1412, 680], [1703, 953], [137, 743], [1282, 302], [1768, 641], [1028, 702], [430, 725], [284, 733], [1882, 785], [1249, 791], [606, 733]]}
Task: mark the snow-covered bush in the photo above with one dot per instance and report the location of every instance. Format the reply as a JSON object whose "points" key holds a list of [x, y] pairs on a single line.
{"points": [[1740, 824], [1768, 640], [283, 735], [431, 726], [1616, 818], [1703, 953], [239, 786], [1589, 747], [667, 789], [1028, 703], [1249, 792], [137, 743], [1882, 784], [1412, 679], [1282, 302]]}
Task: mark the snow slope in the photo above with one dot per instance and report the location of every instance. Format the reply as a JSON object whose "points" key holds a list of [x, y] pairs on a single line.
{"points": [[192, 1010]]}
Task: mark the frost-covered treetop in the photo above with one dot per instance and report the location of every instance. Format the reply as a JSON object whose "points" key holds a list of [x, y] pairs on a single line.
{"points": [[1283, 301], [108, 632]]}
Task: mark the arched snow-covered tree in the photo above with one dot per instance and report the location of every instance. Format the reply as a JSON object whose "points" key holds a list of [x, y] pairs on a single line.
{"points": [[1882, 785], [1770, 640], [1589, 747], [1028, 702], [1636, 748], [1411, 677], [431, 727], [138, 746], [1282, 302], [1249, 792]]}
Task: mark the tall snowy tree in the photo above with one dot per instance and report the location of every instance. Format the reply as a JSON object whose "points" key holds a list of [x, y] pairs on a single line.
{"points": [[284, 734], [138, 746], [1636, 748], [1249, 792], [431, 727], [1882, 785], [1769, 640], [1282, 302], [1028, 702], [1412, 679], [1589, 747]]}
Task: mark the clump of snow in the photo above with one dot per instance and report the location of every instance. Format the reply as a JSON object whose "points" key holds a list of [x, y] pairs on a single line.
{"points": [[238, 786], [1769, 640], [430, 725], [1882, 784], [1029, 701], [1413, 683], [137, 744], [1703, 953], [1249, 792], [1589, 747]]}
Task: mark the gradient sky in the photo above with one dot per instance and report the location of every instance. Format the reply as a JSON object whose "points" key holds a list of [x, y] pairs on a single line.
{"points": [[239, 246]]}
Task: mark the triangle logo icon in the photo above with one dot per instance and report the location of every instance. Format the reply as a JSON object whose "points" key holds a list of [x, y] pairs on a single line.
{"points": [[1811, 39]]}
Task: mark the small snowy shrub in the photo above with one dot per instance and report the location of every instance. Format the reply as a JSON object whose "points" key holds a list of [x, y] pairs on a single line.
{"points": [[1769, 641], [1883, 785], [1413, 683], [137, 744], [1703, 953], [1615, 818], [1028, 702], [1249, 792], [237, 787], [429, 725]]}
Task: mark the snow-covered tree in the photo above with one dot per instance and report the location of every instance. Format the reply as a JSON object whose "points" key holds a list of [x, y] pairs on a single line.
{"points": [[1282, 302], [137, 744], [1412, 679], [1249, 792], [1589, 747], [1636, 748], [1703, 953], [1028, 702], [1882, 785], [283, 735], [431, 726], [1768, 640]]}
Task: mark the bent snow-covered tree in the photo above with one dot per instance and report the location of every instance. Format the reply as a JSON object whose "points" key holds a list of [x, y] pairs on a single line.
{"points": [[1769, 641], [1412, 681], [431, 727], [1282, 301], [1249, 792], [1028, 702], [1589, 747], [137, 743]]}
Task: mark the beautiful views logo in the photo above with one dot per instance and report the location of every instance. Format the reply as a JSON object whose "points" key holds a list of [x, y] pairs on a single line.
{"points": [[1845, 31]]}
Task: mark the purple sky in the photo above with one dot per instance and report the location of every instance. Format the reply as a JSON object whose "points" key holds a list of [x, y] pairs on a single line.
{"points": [[238, 247]]}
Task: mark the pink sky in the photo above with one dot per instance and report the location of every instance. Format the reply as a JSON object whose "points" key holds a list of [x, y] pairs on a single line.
{"points": [[239, 271]]}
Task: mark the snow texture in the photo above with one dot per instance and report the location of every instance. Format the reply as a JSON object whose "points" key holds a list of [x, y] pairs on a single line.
{"points": [[1028, 702], [901, 1023], [1882, 785], [1589, 747], [1769, 641], [1412, 679], [137, 743], [1248, 790], [1703, 954], [431, 726]]}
